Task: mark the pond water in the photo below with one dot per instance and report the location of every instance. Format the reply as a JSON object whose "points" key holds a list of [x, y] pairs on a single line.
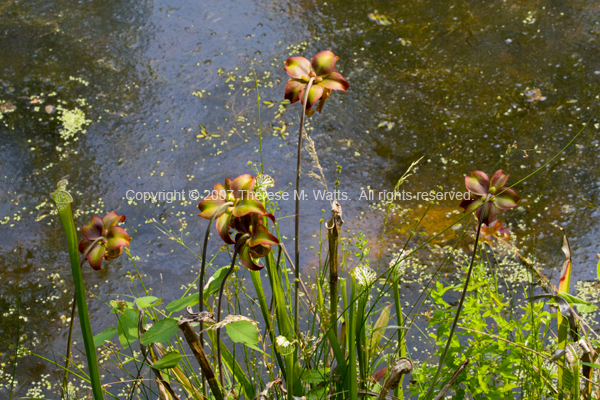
{"points": [[123, 96]]}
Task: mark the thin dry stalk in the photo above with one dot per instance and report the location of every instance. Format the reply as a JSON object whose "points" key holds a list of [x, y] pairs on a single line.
{"points": [[452, 380], [194, 342]]}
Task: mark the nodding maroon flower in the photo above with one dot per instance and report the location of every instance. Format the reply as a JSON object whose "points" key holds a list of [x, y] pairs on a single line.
{"points": [[106, 238], [494, 232], [488, 196], [239, 192], [258, 244], [321, 67]]}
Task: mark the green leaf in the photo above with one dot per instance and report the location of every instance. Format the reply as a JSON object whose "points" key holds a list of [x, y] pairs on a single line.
{"points": [[243, 332], [127, 328], [318, 393], [591, 365], [315, 375], [182, 303], [161, 331], [169, 360], [147, 301], [106, 334], [582, 305], [215, 281]]}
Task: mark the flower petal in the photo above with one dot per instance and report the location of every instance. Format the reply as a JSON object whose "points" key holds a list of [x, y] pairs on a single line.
{"points": [[471, 204], [499, 179], [245, 207], [246, 259], [112, 219], [506, 199], [96, 256], [270, 216], [296, 67], [260, 250], [94, 230], [113, 253], [209, 206], [262, 236], [326, 94], [223, 223], [335, 81], [242, 186], [293, 89], [478, 183], [315, 93], [117, 237], [242, 225], [323, 63], [83, 245], [220, 191], [487, 213]]}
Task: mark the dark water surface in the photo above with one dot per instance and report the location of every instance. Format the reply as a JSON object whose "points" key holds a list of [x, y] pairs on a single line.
{"points": [[443, 80]]}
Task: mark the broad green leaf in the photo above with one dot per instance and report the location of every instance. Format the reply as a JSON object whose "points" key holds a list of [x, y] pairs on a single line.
{"points": [[182, 303], [214, 282], [147, 301], [169, 360], [161, 331], [243, 332], [106, 334], [582, 305], [127, 328]]}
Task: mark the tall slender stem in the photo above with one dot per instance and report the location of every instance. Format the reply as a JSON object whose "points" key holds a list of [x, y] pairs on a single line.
{"points": [[201, 279], [63, 203], [73, 308], [458, 310], [14, 372], [297, 227], [238, 246]]}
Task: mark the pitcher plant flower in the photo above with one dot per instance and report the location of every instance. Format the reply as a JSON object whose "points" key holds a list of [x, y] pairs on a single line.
{"points": [[260, 241], [243, 202], [321, 68], [488, 196], [106, 238], [494, 232]]}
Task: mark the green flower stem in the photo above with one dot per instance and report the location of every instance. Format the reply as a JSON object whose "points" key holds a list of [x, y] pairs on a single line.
{"points": [[14, 369], [297, 227], [289, 367], [241, 241], [458, 310], [63, 202], [398, 392], [352, 387], [72, 322]]}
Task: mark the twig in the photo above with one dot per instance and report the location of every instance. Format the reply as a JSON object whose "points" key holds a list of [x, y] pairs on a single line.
{"points": [[194, 342], [452, 380], [334, 227]]}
